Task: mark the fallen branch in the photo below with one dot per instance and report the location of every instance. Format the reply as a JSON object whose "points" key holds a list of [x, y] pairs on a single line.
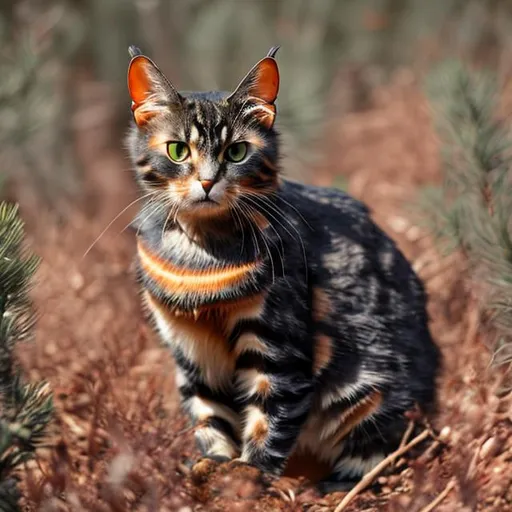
{"points": [[405, 438], [440, 497], [406, 435], [369, 477]]}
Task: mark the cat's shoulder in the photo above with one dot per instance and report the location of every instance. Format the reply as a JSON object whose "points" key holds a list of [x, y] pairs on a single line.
{"points": [[323, 201]]}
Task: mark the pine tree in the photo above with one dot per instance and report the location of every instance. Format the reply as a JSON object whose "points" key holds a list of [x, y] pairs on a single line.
{"points": [[472, 209], [25, 409]]}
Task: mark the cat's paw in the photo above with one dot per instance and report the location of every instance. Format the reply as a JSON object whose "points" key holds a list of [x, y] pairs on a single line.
{"points": [[204, 467], [237, 463], [243, 469]]}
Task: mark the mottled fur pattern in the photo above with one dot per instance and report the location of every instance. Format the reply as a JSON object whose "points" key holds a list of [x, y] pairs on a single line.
{"points": [[296, 324]]}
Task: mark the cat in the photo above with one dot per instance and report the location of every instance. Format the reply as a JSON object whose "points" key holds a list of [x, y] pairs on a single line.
{"points": [[297, 326]]}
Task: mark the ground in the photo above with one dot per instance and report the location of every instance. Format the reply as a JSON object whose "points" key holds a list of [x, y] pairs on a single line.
{"points": [[119, 441]]}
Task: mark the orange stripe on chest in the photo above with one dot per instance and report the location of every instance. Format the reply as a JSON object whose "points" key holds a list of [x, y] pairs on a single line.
{"points": [[180, 280]]}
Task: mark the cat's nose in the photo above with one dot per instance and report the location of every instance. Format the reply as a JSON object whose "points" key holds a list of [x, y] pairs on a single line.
{"points": [[207, 185]]}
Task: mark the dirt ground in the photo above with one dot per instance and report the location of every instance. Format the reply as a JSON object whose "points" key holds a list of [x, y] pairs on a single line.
{"points": [[119, 441]]}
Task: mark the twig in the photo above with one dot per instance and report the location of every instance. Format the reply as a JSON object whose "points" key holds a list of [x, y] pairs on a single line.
{"points": [[440, 497], [369, 477], [474, 460], [405, 437]]}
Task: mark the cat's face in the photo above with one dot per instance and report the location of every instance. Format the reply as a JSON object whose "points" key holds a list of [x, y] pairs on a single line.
{"points": [[202, 155]]}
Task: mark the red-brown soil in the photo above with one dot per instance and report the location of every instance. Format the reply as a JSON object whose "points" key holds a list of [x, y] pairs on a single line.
{"points": [[119, 442]]}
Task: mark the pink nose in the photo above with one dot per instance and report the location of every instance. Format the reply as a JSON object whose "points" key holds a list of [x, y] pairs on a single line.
{"points": [[207, 185]]}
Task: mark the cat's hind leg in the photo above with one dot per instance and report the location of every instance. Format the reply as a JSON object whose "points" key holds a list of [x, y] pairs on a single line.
{"points": [[347, 472], [366, 436]]}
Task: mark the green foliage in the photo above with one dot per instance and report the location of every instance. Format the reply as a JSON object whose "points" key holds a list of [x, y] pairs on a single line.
{"points": [[25, 409], [472, 210]]}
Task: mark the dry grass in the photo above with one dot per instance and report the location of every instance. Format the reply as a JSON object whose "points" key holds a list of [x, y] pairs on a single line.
{"points": [[119, 442]]}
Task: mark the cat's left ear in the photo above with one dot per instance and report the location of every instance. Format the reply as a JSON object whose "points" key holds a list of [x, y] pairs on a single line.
{"points": [[149, 89], [260, 86]]}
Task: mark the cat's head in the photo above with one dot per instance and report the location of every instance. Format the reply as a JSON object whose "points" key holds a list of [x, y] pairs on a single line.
{"points": [[201, 155]]}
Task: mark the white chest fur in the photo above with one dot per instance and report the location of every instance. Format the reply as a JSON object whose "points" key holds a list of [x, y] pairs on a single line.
{"points": [[203, 338]]}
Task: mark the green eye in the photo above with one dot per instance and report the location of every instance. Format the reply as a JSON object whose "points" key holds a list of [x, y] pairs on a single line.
{"points": [[178, 151], [237, 152]]}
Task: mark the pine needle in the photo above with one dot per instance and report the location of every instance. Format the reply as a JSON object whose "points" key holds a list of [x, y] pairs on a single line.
{"points": [[25, 409]]}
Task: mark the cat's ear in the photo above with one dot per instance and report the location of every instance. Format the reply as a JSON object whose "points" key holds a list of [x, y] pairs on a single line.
{"points": [[260, 86], [149, 89]]}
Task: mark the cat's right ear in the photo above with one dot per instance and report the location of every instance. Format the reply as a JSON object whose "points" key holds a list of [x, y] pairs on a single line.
{"points": [[150, 90]]}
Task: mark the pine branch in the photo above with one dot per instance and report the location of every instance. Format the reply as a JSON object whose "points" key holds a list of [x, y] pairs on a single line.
{"points": [[25, 409], [474, 205]]}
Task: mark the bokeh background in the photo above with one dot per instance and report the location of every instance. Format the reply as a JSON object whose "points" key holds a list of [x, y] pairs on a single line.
{"points": [[403, 103], [63, 67]]}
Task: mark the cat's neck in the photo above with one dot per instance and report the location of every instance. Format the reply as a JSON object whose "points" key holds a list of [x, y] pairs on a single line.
{"points": [[193, 269], [239, 233], [205, 231], [191, 242]]}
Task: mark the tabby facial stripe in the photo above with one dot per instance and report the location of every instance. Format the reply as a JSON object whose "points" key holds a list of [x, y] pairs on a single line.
{"points": [[179, 280]]}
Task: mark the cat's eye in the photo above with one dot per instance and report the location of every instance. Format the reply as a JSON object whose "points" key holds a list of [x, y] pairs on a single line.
{"points": [[178, 151], [237, 152]]}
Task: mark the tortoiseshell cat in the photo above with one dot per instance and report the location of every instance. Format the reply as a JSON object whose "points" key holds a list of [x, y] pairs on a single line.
{"points": [[297, 326]]}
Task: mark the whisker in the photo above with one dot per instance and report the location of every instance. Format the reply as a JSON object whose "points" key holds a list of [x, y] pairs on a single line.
{"points": [[275, 208], [169, 215], [275, 243], [266, 246], [254, 197], [278, 244], [113, 220], [158, 206], [232, 206], [295, 209], [269, 252], [246, 215], [142, 210]]}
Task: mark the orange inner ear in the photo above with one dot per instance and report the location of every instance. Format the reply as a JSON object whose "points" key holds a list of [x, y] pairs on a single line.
{"points": [[139, 83], [266, 85]]}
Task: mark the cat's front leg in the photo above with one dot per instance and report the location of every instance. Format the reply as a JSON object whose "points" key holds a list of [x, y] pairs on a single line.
{"points": [[217, 424], [275, 390], [215, 440]]}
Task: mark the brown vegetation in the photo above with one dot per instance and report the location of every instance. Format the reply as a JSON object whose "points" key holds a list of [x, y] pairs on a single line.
{"points": [[119, 442]]}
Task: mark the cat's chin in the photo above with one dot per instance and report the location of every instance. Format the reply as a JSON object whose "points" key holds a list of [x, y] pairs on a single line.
{"points": [[201, 210], [206, 203]]}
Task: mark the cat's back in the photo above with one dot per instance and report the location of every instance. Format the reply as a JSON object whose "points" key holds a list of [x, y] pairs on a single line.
{"points": [[331, 220], [324, 213], [347, 252], [366, 297]]}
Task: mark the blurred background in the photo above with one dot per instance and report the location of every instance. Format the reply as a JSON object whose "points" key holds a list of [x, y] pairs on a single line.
{"points": [[63, 97], [406, 104]]}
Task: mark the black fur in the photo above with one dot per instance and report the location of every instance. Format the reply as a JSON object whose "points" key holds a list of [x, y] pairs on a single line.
{"points": [[329, 276]]}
